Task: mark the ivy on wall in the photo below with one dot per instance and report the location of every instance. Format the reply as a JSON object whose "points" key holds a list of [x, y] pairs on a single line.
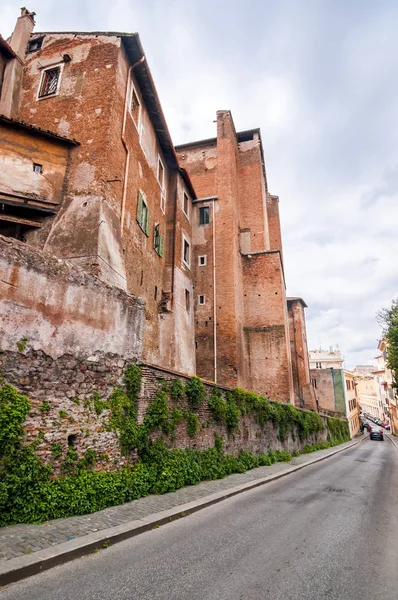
{"points": [[29, 493]]}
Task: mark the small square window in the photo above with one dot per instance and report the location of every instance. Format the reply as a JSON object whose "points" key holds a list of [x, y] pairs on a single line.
{"points": [[187, 300], [204, 215], [49, 82], [185, 204], [35, 45], [186, 252], [135, 107], [202, 261], [37, 168], [201, 300]]}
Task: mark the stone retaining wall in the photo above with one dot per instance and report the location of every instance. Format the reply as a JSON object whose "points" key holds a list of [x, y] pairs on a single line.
{"points": [[64, 391]]}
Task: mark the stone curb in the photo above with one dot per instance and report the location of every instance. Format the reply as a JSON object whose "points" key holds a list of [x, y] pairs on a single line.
{"points": [[394, 443], [21, 567]]}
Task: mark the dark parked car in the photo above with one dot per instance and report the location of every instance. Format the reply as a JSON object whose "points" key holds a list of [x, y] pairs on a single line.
{"points": [[376, 434]]}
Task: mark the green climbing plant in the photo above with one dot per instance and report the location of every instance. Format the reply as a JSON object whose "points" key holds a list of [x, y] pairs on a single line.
{"points": [[195, 392]]}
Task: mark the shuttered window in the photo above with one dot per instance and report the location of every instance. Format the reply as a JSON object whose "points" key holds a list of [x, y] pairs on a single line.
{"points": [[143, 213], [158, 241]]}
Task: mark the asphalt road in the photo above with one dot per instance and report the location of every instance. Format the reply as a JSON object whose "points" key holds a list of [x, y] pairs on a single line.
{"points": [[328, 532]]}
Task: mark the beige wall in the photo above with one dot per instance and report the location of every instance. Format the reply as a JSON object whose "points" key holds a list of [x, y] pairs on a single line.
{"points": [[19, 149], [367, 396], [325, 359], [352, 406]]}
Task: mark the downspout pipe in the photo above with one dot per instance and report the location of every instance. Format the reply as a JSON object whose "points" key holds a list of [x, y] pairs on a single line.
{"points": [[214, 293], [126, 168]]}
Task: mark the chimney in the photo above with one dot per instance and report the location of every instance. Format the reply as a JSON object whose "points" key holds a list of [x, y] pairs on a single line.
{"points": [[10, 91], [21, 34]]}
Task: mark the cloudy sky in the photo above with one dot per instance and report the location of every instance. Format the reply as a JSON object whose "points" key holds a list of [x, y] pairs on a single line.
{"points": [[320, 79]]}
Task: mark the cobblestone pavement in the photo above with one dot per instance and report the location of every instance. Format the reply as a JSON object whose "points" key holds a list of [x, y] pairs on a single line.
{"points": [[17, 540]]}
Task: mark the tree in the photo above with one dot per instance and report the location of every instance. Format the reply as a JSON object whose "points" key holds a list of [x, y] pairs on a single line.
{"points": [[388, 319]]}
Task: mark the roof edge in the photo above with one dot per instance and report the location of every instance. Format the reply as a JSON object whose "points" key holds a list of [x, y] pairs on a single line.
{"points": [[297, 299], [39, 130]]}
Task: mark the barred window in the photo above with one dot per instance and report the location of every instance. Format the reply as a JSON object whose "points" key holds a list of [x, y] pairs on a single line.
{"points": [[49, 82]]}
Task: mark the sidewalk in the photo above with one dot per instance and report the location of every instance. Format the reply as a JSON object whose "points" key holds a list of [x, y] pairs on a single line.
{"points": [[17, 540]]}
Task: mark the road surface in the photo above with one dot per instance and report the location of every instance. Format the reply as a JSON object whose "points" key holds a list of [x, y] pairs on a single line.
{"points": [[328, 532]]}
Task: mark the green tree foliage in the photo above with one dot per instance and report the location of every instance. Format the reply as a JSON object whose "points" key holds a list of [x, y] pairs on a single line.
{"points": [[388, 319]]}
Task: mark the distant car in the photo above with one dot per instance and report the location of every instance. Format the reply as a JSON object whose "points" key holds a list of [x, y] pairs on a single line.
{"points": [[377, 434], [387, 426], [369, 427], [378, 422]]}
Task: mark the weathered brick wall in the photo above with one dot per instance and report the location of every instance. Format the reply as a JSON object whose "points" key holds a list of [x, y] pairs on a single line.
{"points": [[62, 392], [268, 360], [96, 227], [324, 388], [303, 390], [68, 384], [252, 347], [252, 195], [249, 436]]}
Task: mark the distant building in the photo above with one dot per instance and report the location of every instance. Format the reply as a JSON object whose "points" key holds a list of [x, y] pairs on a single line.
{"points": [[325, 359], [384, 388], [367, 395], [336, 394], [351, 402], [363, 369]]}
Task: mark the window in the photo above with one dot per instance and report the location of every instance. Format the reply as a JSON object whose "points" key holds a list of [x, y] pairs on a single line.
{"points": [[37, 168], [158, 240], [160, 173], [143, 213], [201, 300], [135, 107], [202, 261], [187, 300], [49, 82], [204, 215], [313, 381], [318, 365], [348, 384], [162, 203], [35, 45], [185, 204], [186, 252], [155, 295]]}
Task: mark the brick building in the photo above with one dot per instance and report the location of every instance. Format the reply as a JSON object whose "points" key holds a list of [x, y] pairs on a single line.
{"points": [[89, 174]]}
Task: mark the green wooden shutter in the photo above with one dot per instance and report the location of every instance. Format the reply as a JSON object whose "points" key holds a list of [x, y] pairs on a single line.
{"points": [[139, 208], [147, 221], [156, 234], [161, 245]]}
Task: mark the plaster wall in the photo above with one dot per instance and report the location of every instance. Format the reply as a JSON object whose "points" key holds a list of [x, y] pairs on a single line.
{"points": [[57, 308]]}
